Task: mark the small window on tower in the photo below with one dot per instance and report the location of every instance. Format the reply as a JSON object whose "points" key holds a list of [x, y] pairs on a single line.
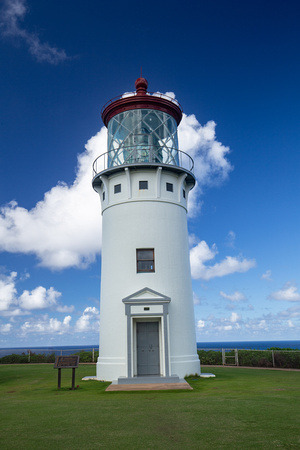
{"points": [[117, 188], [169, 187], [103, 195], [145, 260], [183, 193], [143, 184]]}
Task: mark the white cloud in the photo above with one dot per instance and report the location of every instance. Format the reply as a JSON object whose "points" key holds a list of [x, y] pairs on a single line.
{"points": [[201, 324], [12, 304], [12, 13], [230, 239], [5, 328], [292, 313], [65, 308], [201, 253], [88, 321], [210, 163], [267, 275], [72, 211], [262, 324], [275, 323], [15, 312], [234, 317], [39, 298], [235, 297], [215, 326], [254, 328], [7, 291], [288, 293], [229, 265], [193, 240], [45, 325], [196, 299]]}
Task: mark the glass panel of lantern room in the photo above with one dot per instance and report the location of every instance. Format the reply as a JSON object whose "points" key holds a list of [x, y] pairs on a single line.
{"points": [[142, 136]]}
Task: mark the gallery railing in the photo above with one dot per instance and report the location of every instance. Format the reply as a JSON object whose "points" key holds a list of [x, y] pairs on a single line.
{"points": [[134, 155]]}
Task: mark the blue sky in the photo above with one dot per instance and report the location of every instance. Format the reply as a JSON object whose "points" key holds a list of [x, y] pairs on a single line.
{"points": [[234, 67]]}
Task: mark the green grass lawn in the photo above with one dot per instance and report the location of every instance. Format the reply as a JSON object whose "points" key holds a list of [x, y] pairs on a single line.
{"points": [[239, 409]]}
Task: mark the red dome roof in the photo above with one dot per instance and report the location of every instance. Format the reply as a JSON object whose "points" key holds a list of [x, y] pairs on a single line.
{"points": [[141, 99]]}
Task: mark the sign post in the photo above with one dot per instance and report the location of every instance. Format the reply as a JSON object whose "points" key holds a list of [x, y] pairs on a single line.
{"points": [[66, 362]]}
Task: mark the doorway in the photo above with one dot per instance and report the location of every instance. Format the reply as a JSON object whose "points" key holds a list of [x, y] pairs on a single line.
{"points": [[147, 348]]}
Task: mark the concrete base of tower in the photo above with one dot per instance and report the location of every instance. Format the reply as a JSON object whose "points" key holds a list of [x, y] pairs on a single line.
{"points": [[114, 368], [108, 369], [150, 379], [185, 365]]}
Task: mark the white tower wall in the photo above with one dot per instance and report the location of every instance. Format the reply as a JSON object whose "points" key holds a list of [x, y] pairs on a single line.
{"points": [[145, 218]]}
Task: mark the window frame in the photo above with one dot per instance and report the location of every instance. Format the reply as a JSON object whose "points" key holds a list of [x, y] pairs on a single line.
{"points": [[117, 188], [138, 259], [169, 187], [141, 185]]}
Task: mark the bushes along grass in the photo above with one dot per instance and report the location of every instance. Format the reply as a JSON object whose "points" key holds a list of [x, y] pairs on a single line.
{"points": [[84, 356], [283, 358]]}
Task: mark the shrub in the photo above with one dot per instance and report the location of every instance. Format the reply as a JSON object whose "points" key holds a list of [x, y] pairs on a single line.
{"points": [[210, 357], [255, 358], [87, 356], [287, 359], [283, 358], [14, 359], [42, 358]]}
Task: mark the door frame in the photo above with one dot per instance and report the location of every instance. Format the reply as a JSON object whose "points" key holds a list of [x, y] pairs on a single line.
{"points": [[147, 305], [135, 335]]}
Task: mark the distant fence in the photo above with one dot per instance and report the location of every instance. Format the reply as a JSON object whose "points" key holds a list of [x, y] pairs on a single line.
{"points": [[278, 358], [47, 355]]}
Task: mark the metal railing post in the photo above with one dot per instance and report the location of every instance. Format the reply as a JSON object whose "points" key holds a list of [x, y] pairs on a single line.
{"points": [[223, 356], [237, 357]]}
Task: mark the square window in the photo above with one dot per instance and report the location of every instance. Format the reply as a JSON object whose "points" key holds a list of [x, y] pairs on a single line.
{"points": [[145, 260], [117, 188], [169, 187], [143, 184]]}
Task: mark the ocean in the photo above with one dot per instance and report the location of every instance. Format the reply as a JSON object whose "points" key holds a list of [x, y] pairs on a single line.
{"points": [[246, 345]]}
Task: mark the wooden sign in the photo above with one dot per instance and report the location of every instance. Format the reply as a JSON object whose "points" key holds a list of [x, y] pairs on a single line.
{"points": [[66, 362]]}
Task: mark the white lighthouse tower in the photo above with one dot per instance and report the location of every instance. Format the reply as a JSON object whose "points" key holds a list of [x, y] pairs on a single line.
{"points": [[147, 324]]}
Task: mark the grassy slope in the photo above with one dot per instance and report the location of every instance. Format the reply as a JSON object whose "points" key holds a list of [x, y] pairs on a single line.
{"points": [[240, 409]]}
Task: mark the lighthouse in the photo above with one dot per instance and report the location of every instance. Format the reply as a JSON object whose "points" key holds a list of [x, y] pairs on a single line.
{"points": [[147, 324]]}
